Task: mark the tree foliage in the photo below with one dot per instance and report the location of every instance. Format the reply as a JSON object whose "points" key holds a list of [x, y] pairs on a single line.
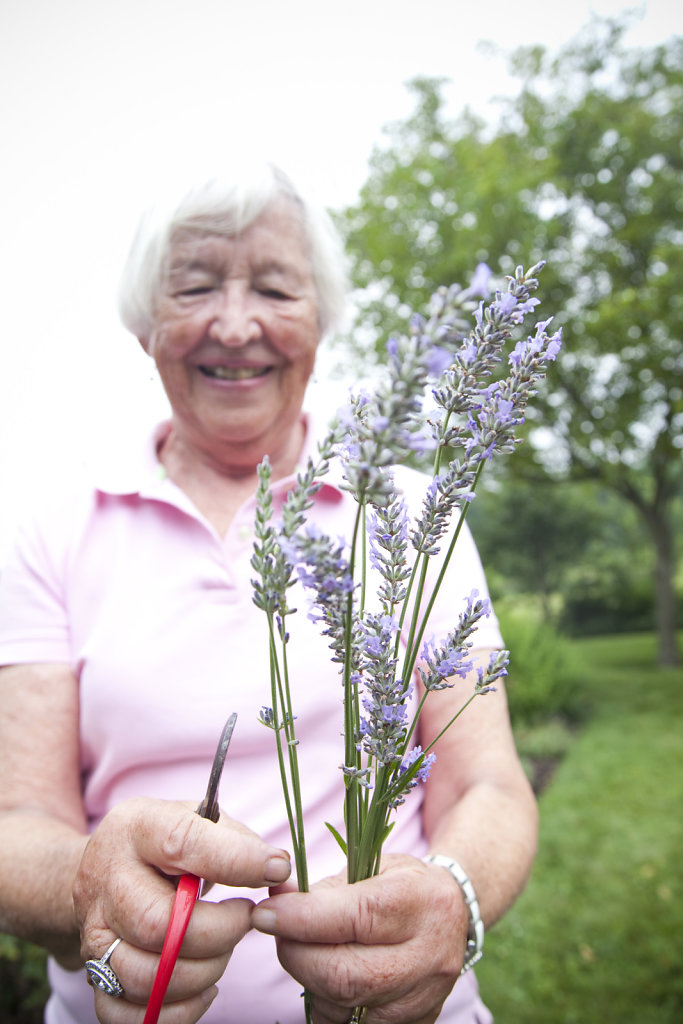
{"points": [[584, 170]]}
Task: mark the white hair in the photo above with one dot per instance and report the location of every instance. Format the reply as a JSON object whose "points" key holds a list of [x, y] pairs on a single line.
{"points": [[227, 205]]}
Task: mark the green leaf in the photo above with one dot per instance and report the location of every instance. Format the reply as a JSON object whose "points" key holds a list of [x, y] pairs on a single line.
{"points": [[336, 835], [387, 831]]}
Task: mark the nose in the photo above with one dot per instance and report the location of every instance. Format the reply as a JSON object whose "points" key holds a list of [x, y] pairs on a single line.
{"points": [[233, 317]]}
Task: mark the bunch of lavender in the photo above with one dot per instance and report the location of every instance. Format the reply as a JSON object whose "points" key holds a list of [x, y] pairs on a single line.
{"points": [[478, 401]]}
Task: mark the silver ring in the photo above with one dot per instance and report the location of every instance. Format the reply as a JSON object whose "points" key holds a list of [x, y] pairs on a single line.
{"points": [[102, 976]]}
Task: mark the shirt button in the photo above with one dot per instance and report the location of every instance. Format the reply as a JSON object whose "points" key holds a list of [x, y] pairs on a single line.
{"points": [[244, 532]]}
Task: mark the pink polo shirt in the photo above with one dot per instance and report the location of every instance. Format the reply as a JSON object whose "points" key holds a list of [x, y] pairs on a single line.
{"points": [[131, 586]]}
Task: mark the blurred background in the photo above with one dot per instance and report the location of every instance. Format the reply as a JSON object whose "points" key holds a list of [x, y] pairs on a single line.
{"points": [[439, 136]]}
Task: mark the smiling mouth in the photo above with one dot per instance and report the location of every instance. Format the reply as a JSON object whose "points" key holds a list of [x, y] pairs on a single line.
{"points": [[234, 372]]}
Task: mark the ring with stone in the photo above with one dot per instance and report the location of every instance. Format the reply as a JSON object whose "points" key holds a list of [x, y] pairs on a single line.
{"points": [[101, 975]]}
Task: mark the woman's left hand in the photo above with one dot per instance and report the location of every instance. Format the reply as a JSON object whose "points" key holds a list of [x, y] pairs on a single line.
{"points": [[394, 943]]}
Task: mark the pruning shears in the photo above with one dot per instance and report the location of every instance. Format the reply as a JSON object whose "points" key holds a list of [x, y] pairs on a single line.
{"points": [[189, 887]]}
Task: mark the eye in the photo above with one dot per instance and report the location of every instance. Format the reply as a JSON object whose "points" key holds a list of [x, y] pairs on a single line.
{"points": [[274, 293], [193, 291]]}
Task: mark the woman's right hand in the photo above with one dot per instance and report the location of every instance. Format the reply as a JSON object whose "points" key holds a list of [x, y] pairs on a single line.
{"points": [[120, 891]]}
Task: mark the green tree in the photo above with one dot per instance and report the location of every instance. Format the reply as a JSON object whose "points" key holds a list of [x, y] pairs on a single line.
{"points": [[576, 546], [534, 535], [584, 169]]}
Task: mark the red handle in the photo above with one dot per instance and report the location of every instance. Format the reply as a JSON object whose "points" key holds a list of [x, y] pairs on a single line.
{"points": [[183, 905]]}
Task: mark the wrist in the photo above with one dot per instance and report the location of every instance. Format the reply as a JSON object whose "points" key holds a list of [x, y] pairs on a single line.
{"points": [[475, 929]]}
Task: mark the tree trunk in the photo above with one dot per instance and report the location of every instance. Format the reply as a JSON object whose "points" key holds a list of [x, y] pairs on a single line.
{"points": [[661, 529]]}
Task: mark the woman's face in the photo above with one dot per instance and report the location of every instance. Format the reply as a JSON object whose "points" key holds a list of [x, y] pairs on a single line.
{"points": [[236, 335]]}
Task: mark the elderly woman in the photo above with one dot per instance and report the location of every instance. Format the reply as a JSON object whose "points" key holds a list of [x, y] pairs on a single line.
{"points": [[128, 632]]}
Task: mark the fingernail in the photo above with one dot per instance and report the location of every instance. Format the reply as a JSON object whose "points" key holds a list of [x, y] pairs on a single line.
{"points": [[277, 869], [264, 920]]}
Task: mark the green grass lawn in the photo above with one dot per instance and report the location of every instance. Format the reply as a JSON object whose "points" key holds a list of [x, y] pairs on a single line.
{"points": [[597, 938]]}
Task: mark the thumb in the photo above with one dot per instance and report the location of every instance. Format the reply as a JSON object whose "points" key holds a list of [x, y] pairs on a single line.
{"points": [[175, 840]]}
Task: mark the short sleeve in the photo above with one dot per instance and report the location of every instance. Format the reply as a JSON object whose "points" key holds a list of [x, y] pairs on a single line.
{"points": [[33, 616]]}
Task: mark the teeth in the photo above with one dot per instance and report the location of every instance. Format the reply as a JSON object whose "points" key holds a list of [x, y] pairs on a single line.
{"points": [[233, 372]]}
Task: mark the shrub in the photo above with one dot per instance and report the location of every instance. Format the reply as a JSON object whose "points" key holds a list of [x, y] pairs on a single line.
{"points": [[23, 982], [545, 670], [608, 599]]}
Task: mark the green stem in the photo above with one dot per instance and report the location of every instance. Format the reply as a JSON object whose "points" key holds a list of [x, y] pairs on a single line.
{"points": [[364, 556], [450, 723], [370, 845], [275, 693], [290, 733], [421, 561], [353, 799], [416, 719], [416, 637]]}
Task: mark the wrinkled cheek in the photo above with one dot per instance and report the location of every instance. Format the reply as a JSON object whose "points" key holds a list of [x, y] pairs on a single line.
{"points": [[168, 350], [299, 342], [306, 362]]}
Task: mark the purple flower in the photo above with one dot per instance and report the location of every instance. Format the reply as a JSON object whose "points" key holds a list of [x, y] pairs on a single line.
{"points": [[554, 345], [322, 567], [425, 768], [481, 281], [388, 536], [438, 360], [373, 645], [468, 353], [383, 727], [528, 307], [505, 304], [403, 786], [266, 717], [446, 492], [392, 713], [505, 408], [452, 657], [519, 351]]}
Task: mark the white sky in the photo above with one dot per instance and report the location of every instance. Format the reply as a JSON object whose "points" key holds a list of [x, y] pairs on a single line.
{"points": [[101, 101]]}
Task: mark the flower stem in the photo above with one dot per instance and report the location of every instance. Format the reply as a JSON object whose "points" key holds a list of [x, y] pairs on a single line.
{"points": [[283, 723], [416, 637], [353, 799]]}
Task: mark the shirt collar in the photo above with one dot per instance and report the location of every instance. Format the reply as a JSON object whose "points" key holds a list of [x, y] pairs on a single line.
{"points": [[136, 470]]}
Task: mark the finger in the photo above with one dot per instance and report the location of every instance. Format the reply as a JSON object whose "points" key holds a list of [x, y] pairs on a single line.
{"points": [[176, 840], [214, 928], [374, 911], [390, 995], [353, 975], [324, 1012], [202, 962], [136, 970], [119, 889], [121, 1011]]}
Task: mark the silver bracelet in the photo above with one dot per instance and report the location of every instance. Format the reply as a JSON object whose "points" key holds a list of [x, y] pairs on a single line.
{"points": [[475, 931]]}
